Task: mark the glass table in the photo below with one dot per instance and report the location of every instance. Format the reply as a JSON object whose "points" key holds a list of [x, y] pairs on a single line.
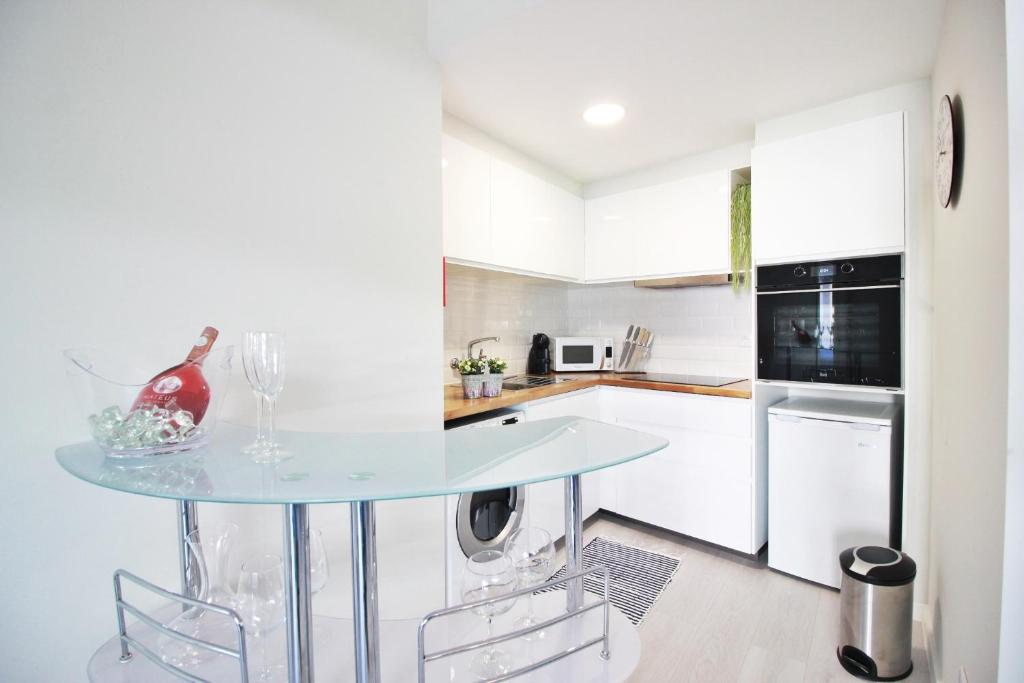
{"points": [[359, 469]]}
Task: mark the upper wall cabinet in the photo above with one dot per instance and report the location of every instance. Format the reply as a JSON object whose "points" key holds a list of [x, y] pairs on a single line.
{"points": [[535, 226], [676, 228], [466, 200], [836, 192], [611, 230], [498, 215]]}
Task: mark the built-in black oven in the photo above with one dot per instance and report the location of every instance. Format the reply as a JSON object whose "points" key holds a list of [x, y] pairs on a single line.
{"points": [[837, 322]]}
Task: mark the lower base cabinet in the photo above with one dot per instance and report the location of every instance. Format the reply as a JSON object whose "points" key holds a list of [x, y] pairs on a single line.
{"points": [[702, 485], [697, 486], [546, 501]]}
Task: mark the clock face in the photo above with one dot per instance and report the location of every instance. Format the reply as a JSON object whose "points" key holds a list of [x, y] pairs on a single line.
{"points": [[945, 147]]}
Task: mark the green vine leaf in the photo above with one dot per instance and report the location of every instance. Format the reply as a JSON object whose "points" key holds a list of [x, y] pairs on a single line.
{"points": [[739, 243]]}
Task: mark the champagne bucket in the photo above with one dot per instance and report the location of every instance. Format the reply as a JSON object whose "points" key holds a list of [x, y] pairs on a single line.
{"points": [[111, 390]]}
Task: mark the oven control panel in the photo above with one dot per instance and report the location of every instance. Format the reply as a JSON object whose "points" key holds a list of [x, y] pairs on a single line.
{"points": [[839, 273]]}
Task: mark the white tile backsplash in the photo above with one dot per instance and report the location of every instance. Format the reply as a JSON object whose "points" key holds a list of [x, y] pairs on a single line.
{"points": [[485, 303], [699, 330]]}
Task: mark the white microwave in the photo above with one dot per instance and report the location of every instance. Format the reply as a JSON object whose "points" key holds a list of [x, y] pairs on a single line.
{"points": [[583, 353]]}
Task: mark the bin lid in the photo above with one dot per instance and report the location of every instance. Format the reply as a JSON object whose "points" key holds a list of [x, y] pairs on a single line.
{"points": [[878, 565]]}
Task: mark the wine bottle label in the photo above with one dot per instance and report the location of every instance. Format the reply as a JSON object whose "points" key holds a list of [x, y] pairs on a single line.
{"points": [[168, 385]]}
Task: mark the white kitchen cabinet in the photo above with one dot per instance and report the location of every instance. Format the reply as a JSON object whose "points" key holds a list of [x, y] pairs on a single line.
{"points": [[611, 237], [684, 226], [835, 192], [496, 214], [675, 228], [703, 483], [535, 226], [466, 201], [546, 500], [563, 236]]}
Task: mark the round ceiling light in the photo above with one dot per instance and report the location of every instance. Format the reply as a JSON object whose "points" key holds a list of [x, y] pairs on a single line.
{"points": [[604, 114]]}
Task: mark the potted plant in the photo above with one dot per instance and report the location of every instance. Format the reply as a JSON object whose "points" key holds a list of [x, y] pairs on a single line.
{"points": [[472, 371], [493, 381]]}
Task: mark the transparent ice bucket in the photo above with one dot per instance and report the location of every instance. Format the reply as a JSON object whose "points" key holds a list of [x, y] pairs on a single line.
{"points": [[107, 385]]}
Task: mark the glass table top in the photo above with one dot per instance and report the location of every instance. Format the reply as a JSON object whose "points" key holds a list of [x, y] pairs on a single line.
{"points": [[337, 468]]}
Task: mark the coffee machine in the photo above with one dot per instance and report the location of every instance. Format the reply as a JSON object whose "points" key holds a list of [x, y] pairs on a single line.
{"points": [[538, 362]]}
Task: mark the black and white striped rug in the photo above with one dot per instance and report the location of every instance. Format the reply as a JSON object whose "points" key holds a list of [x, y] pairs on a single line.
{"points": [[636, 577]]}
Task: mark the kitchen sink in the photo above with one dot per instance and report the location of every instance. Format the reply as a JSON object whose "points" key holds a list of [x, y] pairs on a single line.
{"points": [[530, 381]]}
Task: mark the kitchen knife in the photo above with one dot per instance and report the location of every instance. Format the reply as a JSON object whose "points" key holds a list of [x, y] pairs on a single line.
{"points": [[639, 356], [647, 347], [625, 345], [634, 346], [631, 350]]}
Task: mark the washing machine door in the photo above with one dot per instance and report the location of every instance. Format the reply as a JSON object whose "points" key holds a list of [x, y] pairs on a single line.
{"points": [[485, 519]]}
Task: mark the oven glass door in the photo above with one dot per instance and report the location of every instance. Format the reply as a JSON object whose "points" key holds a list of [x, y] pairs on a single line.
{"points": [[835, 336]]}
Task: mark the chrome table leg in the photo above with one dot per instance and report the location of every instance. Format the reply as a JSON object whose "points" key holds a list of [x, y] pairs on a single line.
{"points": [[365, 625], [298, 599], [188, 521], [573, 540]]}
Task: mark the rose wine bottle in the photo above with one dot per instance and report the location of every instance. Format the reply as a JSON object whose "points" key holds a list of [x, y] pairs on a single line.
{"points": [[182, 387]]}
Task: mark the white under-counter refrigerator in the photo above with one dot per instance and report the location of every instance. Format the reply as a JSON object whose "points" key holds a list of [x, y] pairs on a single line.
{"points": [[834, 472]]}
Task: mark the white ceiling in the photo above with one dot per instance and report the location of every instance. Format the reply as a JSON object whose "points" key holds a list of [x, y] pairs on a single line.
{"points": [[694, 75]]}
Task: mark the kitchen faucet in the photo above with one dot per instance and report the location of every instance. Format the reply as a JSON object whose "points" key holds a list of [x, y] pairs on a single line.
{"points": [[474, 342], [469, 349]]}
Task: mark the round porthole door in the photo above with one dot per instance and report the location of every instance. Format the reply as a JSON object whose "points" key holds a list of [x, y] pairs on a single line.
{"points": [[485, 519]]}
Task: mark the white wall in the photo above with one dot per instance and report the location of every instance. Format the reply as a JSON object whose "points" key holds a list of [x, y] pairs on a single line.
{"points": [[1012, 628], [166, 165], [915, 99], [1011, 635], [971, 346]]}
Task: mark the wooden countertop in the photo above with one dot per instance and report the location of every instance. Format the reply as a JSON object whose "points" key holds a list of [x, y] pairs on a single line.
{"points": [[455, 406]]}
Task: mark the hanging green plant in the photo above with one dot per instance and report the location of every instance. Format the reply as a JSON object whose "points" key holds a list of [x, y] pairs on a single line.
{"points": [[739, 244]]}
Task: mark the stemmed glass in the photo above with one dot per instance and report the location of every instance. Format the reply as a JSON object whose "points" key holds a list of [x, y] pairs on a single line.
{"points": [[263, 544], [319, 571], [531, 552], [489, 574], [263, 360], [260, 603]]}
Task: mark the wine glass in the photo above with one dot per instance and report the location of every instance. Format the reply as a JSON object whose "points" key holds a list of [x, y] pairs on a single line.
{"points": [[319, 571], [531, 552], [263, 361], [210, 550], [260, 603], [489, 574]]}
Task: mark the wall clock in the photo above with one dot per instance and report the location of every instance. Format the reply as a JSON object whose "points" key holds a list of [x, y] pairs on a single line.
{"points": [[945, 150]]}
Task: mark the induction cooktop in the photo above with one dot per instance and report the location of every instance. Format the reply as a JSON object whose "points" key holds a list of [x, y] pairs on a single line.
{"points": [[695, 380]]}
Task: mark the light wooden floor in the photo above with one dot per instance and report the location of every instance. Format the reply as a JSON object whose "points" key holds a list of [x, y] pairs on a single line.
{"points": [[728, 618]]}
